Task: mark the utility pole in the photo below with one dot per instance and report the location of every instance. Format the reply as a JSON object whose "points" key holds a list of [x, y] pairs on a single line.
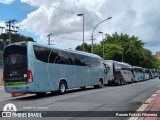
{"points": [[83, 28], [9, 26], [2, 40], [49, 38]]}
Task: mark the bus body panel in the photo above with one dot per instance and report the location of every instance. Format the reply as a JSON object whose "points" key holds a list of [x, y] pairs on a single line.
{"points": [[47, 75], [119, 71], [127, 75]]}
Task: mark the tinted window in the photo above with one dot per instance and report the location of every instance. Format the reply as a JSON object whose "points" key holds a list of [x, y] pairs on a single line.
{"points": [[15, 56], [49, 55], [15, 63]]}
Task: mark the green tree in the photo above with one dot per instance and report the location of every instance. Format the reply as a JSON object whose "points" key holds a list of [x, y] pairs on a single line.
{"points": [[15, 38], [125, 48], [131, 45], [111, 51], [87, 47]]}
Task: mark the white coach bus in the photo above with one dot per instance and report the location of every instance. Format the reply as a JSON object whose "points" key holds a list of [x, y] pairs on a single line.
{"points": [[33, 68]]}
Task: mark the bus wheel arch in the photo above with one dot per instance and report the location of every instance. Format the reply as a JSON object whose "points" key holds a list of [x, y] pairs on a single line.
{"points": [[62, 86], [101, 80], [100, 84]]}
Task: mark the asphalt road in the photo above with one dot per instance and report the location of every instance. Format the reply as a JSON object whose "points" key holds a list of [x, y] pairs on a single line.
{"points": [[110, 98]]}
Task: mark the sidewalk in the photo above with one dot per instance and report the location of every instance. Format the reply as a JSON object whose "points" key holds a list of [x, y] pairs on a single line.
{"points": [[153, 105]]}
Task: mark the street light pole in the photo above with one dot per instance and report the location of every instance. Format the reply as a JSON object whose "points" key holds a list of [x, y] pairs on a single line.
{"points": [[103, 43], [94, 29], [49, 38], [83, 28]]}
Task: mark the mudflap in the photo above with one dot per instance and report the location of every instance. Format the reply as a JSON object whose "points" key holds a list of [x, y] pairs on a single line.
{"points": [[17, 94]]}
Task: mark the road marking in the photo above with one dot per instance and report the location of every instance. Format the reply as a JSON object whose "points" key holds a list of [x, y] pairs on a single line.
{"points": [[158, 91], [149, 100], [144, 106], [133, 118], [154, 95]]}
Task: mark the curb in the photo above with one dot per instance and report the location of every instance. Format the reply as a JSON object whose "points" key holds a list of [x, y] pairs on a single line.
{"points": [[146, 104]]}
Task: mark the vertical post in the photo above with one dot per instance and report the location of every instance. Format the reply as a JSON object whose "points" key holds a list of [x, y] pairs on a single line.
{"points": [[92, 45], [9, 25], [122, 57], [83, 28], [49, 38], [9, 32], [102, 44], [83, 32]]}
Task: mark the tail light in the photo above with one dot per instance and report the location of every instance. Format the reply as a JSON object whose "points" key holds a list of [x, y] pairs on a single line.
{"points": [[29, 77], [4, 78], [113, 76]]}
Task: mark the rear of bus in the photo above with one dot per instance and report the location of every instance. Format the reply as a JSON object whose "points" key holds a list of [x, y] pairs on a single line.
{"points": [[16, 76]]}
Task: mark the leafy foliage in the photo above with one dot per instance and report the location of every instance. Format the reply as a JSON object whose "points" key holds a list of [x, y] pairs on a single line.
{"points": [[15, 38], [125, 48], [87, 48]]}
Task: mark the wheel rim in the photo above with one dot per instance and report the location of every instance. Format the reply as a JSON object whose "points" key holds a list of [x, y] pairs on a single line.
{"points": [[100, 84], [119, 82], [62, 88]]}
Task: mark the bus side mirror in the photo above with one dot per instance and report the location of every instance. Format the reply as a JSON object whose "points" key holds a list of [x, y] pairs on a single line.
{"points": [[107, 69]]}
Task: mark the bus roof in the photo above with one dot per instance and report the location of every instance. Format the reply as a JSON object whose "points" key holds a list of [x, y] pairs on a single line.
{"points": [[49, 46], [137, 67], [120, 63]]}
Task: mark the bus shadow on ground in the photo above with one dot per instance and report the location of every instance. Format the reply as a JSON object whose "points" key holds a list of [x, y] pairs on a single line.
{"points": [[51, 94], [76, 90]]}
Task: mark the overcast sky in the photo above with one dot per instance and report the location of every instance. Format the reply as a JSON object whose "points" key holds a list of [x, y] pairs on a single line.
{"points": [[37, 18]]}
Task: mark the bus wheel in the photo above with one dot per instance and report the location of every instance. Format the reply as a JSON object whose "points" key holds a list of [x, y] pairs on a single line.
{"points": [[41, 94], [122, 82], [119, 82], [132, 81], [100, 85], [83, 88], [62, 87]]}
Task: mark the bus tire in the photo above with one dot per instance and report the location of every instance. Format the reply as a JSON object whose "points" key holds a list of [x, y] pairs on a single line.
{"points": [[100, 85], [122, 82], [83, 88], [62, 87], [132, 81], [41, 94], [119, 83]]}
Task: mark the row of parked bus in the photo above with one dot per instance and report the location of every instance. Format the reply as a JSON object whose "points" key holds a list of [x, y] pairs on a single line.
{"points": [[30, 67], [120, 73]]}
